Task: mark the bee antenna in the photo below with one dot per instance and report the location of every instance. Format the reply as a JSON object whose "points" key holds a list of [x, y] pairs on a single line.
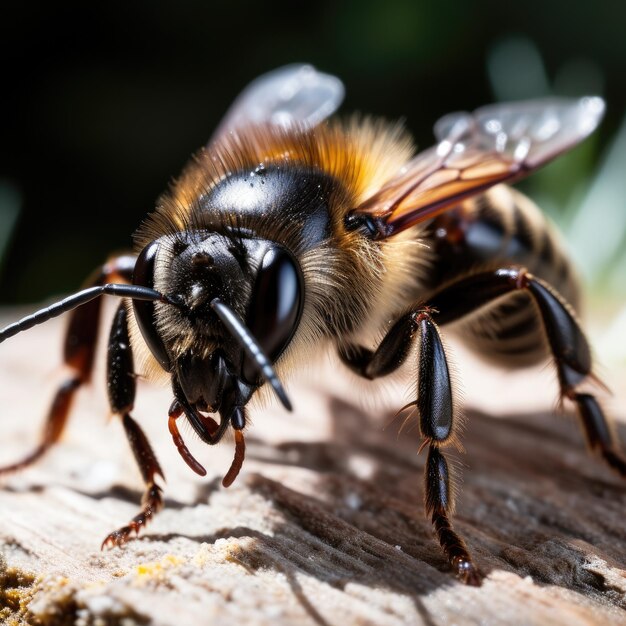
{"points": [[253, 350], [134, 292]]}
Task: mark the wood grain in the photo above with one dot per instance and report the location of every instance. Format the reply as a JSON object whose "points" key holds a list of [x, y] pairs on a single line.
{"points": [[325, 525]]}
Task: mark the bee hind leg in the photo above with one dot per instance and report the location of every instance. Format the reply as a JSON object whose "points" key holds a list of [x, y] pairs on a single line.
{"points": [[78, 354], [436, 414], [567, 342], [121, 387]]}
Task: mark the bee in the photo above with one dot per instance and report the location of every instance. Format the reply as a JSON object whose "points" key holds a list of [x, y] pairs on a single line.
{"points": [[290, 230]]}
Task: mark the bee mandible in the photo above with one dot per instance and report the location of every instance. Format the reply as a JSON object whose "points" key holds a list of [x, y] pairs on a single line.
{"points": [[290, 230]]}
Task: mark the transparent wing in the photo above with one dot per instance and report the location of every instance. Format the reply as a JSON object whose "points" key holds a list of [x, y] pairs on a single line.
{"points": [[291, 95], [496, 143]]}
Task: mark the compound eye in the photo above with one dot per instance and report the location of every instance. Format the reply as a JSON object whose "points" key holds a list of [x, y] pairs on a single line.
{"points": [[145, 313], [275, 305]]}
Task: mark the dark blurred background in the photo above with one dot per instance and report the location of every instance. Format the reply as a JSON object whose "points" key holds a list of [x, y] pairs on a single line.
{"points": [[101, 106]]}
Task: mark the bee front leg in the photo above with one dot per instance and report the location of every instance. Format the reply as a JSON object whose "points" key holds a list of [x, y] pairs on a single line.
{"points": [[78, 354], [121, 386], [436, 414]]}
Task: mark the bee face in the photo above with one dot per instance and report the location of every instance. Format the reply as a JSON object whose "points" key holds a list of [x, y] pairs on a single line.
{"points": [[257, 279]]}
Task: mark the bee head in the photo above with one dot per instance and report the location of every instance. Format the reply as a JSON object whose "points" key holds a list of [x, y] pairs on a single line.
{"points": [[238, 303]]}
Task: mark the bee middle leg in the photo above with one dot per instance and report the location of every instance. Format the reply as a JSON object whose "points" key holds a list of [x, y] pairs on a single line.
{"points": [[121, 385], [436, 413]]}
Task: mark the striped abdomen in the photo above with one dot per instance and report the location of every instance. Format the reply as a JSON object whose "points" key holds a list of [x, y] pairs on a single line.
{"points": [[499, 229]]}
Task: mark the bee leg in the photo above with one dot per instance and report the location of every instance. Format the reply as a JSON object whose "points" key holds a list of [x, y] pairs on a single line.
{"points": [[121, 387], [597, 431], [390, 354], [78, 354], [438, 506], [436, 412], [567, 342]]}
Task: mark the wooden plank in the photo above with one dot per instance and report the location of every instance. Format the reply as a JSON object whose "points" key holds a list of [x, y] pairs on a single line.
{"points": [[325, 525]]}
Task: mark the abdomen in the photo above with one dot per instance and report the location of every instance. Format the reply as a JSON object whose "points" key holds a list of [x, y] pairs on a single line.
{"points": [[499, 229]]}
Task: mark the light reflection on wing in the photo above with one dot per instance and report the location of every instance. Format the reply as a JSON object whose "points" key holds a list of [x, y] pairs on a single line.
{"points": [[496, 143], [293, 95]]}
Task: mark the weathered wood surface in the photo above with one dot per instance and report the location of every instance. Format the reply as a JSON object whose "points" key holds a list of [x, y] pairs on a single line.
{"points": [[325, 525]]}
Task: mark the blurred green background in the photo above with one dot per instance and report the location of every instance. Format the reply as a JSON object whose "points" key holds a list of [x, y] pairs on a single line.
{"points": [[101, 105]]}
